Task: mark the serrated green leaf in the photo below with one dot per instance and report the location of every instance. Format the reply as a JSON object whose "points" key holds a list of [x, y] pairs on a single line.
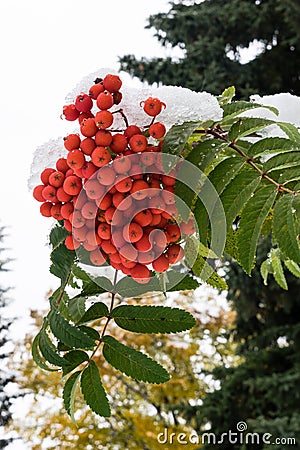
{"points": [[152, 319], [67, 333], [37, 357], [93, 391], [177, 136], [76, 308], [69, 394], [238, 192], [220, 177], [290, 130], [204, 271], [91, 332], [62, 261], [231, 245], [293, 267], [226, 95], [96, 286], [57, 236], [278, 270], [133, 363], [233, 109], [246, 126], [252, 219], [287, 175], [127, 287], [282, 161], [284, 227], [271, 145], [96, 311], [49, 351], [74, 358], [264, 271], [78, 272]]}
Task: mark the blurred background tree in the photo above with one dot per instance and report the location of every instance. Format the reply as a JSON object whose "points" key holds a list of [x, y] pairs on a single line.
{"points": [[140, 411], [6, 377], [213, 36]]}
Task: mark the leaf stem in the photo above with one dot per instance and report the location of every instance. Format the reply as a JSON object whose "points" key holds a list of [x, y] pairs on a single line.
{"points": [[220, 134]]}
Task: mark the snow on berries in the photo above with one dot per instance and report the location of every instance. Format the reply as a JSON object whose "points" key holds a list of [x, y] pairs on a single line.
{"points": [[110, 191]]}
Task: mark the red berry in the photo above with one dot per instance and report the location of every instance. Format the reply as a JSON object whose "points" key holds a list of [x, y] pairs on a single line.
{"points": [[45, 209], [38, 193], [83, 103], [75, 159], [87, 145], [131, 130], [49, 193], [157, 130], [139, 190], [97, 257], [70, 112], [138, 143], [175, 253], [104, 119], [152, 106], [103, 138], [56, 179], [100, 156], [71, 142], [132, 232], [121, 164], [105, 100], [140, 274], [88, 127], [62, 196], [112, 83], [72, 185], [66, 210], [106, 175], [161, 264], [61, 165], [71, 244], [46, 174], [95, 90], [118, 143]]}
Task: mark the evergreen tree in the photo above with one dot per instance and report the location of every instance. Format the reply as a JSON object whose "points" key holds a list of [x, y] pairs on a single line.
{"points": [[262, 391], [212, 34], [5, 378]]}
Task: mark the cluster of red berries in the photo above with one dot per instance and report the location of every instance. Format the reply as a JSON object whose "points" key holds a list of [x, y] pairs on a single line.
{"points": [[111, 191]]}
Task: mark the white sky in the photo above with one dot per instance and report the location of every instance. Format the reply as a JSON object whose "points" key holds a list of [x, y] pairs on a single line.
{"points": [[46, 48]]}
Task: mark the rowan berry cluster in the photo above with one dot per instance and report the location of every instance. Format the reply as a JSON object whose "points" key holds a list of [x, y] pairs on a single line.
{"points": [[111, 191]]}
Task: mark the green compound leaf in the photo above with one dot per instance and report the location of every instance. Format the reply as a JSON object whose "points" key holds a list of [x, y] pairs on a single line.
{"points": [[74, 358], [278, 269], [293, 267], [204, 271], [246, 126], [282, 161], [271, 145], [57, 236], [133, 363], [76, 308], [69, 394], [93, 391], [238, 192], [49, 351], [252, 219], [127, 287], [69, 334], [226, 95], [96, 311], [96, 286], [177, 136], [62, 261], [81, 274], [285, 227], [152, 319], [233, 109], [290, 130], [37, 357]]}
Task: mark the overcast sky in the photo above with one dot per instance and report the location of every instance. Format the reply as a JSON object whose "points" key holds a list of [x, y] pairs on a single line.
{"points": [[46, 48]]}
